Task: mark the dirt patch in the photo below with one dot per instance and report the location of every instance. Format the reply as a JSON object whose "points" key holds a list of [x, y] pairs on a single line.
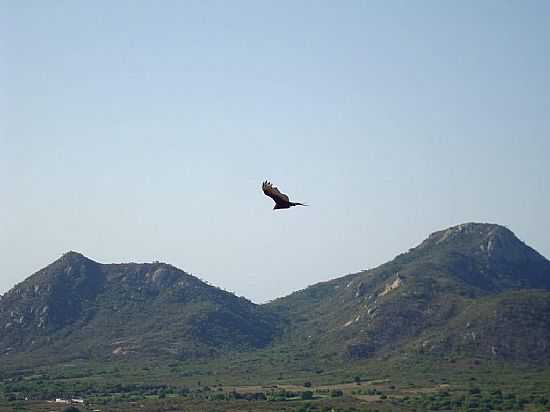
{"points": [[433, 389], [301, 388]]}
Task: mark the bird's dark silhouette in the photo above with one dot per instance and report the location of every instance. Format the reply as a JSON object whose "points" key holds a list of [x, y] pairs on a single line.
{"points": [[281, 200]]}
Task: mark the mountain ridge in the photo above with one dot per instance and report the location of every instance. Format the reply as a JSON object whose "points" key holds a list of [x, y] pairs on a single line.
{"points": [[418, 293], [422, 301], [153, 308]]}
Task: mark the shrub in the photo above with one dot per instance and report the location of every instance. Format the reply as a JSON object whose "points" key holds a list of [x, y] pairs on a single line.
{"points": [[71, 409], [307, 395]]}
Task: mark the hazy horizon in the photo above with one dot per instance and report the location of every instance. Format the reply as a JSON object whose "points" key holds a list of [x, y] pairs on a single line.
{"points": [[141, 132]]}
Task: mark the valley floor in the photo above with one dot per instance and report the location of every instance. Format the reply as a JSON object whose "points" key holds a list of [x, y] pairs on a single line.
{"points": [[370, 386]]}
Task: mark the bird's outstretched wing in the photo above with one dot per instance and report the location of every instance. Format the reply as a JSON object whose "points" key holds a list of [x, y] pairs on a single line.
{"points": [[274, 193]]}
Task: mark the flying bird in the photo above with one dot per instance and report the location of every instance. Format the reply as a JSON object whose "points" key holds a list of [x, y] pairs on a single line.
{"points": [[281, 200]]}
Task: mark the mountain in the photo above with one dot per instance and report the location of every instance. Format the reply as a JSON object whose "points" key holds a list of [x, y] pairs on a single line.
{"points": [[473, 289], [76, 307]]}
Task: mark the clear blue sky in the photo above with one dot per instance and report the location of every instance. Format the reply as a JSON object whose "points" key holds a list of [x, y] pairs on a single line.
{"points": [[141, 131]]}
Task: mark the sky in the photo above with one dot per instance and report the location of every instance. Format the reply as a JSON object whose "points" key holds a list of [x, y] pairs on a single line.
{"points": [[136, 131]]}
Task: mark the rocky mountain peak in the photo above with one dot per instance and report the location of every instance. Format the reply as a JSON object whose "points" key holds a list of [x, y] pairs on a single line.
{"points": [[71, 256], [469, 231], [488, 256], [153, 307], [495, 242]]}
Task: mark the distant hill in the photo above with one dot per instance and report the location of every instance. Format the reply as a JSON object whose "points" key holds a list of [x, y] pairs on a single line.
{"points": [[471, 290], [76, 307]]}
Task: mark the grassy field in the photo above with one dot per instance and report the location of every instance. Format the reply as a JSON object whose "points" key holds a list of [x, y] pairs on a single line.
{"points": [[249, 384]]}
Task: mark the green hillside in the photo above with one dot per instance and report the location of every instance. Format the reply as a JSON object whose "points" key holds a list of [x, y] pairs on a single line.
{"points": [[430, 291], [77, 308], [470, 290]]}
